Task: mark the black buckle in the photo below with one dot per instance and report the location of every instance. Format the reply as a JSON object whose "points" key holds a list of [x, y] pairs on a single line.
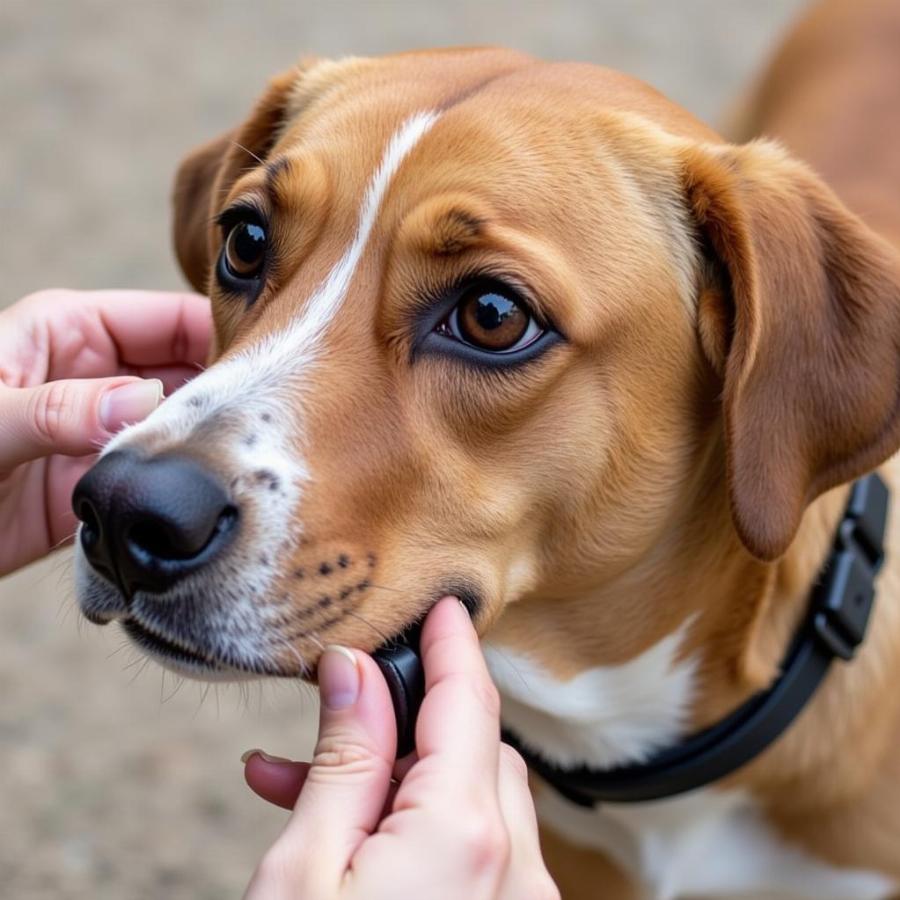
{"points": [[843, 599]]}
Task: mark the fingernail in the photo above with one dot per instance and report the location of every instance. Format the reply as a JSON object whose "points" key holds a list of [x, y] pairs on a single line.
{"points": [[266, 756], [130, 403], [338, 677]]}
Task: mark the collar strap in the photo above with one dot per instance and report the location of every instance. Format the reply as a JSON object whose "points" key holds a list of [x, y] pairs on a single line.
{"points": [[840, 606]]}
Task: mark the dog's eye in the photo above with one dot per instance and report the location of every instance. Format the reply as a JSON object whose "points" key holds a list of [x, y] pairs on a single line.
{"points": [[245, 249], [492, 319]]}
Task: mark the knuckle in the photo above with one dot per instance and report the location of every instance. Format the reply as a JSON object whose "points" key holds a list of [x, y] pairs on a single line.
{"points": [[488, 696], [345, 755], [512, 759], [50, 408], [484, 843]]}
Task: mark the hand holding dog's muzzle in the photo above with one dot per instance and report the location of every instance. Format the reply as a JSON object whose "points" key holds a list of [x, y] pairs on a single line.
{"points": [[461, 820]]}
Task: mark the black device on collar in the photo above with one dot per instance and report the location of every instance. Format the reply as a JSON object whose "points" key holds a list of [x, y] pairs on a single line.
{"points": [[840, 606]]}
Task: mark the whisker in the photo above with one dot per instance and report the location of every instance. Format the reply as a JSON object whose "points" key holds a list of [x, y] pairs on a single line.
{"points": [[57, 567], [384, 587], [296, 653], [312, 636], [140, 670], [203, 697], [384, 638], [61, 543], [179, 683], [134, 662], [122, 646], [513, 666]]}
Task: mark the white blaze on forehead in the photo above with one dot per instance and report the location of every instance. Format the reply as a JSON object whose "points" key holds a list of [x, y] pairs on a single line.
{"points": [[333, 289], [250, 378]]}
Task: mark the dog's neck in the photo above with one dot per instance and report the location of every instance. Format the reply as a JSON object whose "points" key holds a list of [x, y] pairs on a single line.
{"points": [[721, 628]]}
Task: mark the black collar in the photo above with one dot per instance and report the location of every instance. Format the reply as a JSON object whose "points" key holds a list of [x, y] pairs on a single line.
{"points": [[840, 606]]}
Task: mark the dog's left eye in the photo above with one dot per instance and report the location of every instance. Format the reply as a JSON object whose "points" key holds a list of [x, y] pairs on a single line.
{"points": [[493, 319]]}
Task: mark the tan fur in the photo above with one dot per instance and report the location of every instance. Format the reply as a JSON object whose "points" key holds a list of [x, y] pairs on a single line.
{"points": [[732, 340]]}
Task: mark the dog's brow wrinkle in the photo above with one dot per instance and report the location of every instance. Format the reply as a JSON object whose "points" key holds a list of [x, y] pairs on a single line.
{"points": [[274, 169]]}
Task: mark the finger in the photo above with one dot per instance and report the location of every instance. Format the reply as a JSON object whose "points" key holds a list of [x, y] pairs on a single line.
{"points": [[526, 874], [517, 805], [173, 377], [74, 417], [348, 780], [460, 716], [277, 780], [153, 328]]}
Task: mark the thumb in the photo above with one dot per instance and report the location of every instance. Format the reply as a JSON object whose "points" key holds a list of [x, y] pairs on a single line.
{"points": [[74, 417], [342, 799]]}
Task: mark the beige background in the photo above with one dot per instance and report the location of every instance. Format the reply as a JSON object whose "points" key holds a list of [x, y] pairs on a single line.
{"points": [[107, 788]]}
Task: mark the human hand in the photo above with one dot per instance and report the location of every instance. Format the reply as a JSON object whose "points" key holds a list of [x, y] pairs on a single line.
{"points": [[75, 367], [461, 823]]}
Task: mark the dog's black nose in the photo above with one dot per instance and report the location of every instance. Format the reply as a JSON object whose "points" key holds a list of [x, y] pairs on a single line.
{"points": [[148, 522]]}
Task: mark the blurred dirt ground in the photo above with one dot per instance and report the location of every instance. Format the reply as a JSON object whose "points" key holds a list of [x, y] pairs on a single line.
{"points": [[109, 787]]}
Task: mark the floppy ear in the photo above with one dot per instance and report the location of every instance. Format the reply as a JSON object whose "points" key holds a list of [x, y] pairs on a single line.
{"points": [[800, 315], [205, 175]]}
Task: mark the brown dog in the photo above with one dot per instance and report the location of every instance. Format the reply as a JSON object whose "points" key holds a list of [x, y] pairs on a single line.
{"points": [[530, 333]]}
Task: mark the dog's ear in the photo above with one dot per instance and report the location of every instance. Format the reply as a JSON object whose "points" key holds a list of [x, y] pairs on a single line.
{"points": [[205, 175], [800, 315]]}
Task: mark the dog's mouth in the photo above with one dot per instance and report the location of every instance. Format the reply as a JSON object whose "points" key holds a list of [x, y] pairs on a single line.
{"points": [[201, 664], [159, 646], [205, 664], [214, 654]]}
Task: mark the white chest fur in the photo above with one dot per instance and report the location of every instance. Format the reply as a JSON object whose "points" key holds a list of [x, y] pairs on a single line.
{"points": [[705, 844]]}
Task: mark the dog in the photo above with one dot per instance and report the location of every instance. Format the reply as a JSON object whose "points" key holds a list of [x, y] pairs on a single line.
{"points": [[531, 334]]}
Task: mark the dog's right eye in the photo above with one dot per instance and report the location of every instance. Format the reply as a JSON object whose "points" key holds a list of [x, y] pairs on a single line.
{"points": [[245, 249]]}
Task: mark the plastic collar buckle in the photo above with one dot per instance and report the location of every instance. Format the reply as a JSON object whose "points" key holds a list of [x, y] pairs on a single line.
{"points": [[844, 598]]}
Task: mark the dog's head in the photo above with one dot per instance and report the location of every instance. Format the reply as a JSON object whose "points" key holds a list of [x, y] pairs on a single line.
{"points": [[488, 326]]}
